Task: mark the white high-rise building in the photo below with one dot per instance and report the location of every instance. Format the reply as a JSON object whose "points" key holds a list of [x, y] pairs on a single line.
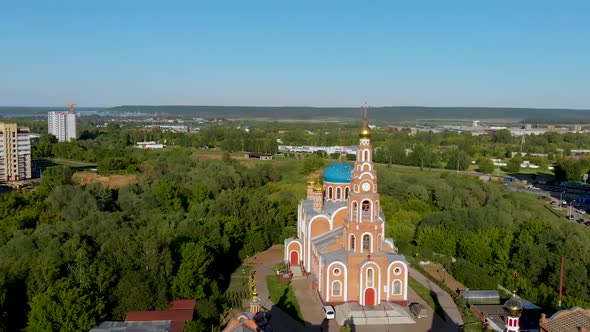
{"points": [[62, 125]]}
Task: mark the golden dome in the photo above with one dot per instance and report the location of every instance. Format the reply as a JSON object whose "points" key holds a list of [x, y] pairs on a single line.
{"points": [[318, 187], [310, 183], [365, 131], [513, 306]]}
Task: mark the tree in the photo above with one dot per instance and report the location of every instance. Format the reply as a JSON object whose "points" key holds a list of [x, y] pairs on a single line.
{"points": [[513, 165], [311, 163], [65, 307], [486, 165], [192, 278], [458, 160], [501, 136]]}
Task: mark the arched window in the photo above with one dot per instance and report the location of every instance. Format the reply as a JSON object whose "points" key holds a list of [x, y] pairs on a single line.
{"points": [[354, 209], [330, 192], [352, 242], [346, 192], [366, 155], [338, 193], [396, 287], [369, 277], [366, 242], [336, 288], [366, 206]]}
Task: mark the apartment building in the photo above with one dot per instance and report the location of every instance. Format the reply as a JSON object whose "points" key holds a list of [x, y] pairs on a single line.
{"points": [[62, 125], [15, 152]]}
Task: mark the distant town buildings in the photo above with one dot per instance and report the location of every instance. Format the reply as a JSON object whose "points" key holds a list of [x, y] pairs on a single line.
{"points": [[255, 155], [312, 149], [15, 152], [149, 145], [62, 125]]}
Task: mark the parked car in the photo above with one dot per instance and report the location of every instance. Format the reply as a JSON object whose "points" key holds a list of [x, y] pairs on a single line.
{"points": [[581, 220], [329, 312], [571, 217]]}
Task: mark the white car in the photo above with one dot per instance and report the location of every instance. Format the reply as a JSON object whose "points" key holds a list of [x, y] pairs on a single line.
{"points": [[329, 312]]}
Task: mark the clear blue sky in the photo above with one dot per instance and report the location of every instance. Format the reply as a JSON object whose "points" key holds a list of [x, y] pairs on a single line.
{"points": [[316, 53]]}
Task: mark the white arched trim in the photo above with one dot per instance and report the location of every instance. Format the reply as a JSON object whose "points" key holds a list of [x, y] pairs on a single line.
{"points": [[344, 286], [346, 192], [362, 287], [331, 219], [367, 173], [338, 193], [307, 261], [366, 155], [288, 251], [320, 274], [371, 210], [330, 192], [362, 246], [405, 278]]}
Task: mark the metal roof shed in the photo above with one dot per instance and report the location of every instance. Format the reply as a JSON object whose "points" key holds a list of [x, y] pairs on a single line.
{"points": [[480, 296]]}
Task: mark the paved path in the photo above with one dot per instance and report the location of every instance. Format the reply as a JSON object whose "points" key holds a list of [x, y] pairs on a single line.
{"points": [[452, 314], [263, 262]]}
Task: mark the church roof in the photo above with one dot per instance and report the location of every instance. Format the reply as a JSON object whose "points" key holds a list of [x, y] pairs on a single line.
{"points": [[328, 239], [339, 255], [338, 173], [329, 208]]}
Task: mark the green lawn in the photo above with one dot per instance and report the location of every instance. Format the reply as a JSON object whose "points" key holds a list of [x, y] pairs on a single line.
{"points": [[239, 286], [72, 163], [428, 296], [283, 296]]}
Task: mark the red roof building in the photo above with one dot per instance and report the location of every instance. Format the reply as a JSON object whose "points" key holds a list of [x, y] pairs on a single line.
{"points": [[179, 312]]}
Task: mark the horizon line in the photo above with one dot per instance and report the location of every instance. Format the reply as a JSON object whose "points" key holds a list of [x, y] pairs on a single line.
{"points": [[293, 106]]}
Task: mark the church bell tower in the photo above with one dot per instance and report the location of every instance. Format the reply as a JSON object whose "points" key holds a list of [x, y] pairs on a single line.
{"points": [[363, 202]]}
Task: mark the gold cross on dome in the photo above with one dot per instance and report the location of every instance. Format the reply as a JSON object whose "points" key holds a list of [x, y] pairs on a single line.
{"points": [[365, 109]]}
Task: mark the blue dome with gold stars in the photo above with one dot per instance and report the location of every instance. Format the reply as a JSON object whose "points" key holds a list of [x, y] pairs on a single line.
{"points": [[338, 173]]}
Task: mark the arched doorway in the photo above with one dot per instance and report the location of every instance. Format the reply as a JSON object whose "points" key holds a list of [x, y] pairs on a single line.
{"points": [[370, 296], [294, 258]]}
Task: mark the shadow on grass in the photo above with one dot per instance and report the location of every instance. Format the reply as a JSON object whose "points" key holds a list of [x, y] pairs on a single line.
{"points": [[286, 304]]}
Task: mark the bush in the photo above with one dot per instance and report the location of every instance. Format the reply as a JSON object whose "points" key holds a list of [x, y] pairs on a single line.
{"points": [[471, 275]]}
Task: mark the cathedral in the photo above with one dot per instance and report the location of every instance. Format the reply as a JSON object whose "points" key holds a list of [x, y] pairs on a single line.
{"points": [[340, 241]]}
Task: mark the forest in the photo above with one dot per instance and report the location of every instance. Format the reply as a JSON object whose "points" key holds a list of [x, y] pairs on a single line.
{"points": [[75, 255], [496, 236]]}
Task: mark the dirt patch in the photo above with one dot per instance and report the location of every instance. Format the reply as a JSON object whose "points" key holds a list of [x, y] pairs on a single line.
{"points": [[439, 272], [114, 181]]}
